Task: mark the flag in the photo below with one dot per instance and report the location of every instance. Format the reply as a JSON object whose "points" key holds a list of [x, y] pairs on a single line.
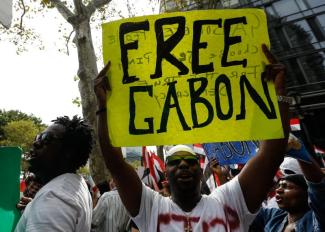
{"points": [[213, 180], [321, 153], [278, 176], [296, 149], [295, 124], [199, 150], [154, 168]]}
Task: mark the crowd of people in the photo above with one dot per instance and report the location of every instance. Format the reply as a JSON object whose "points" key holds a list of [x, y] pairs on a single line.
{"points": [[58, 199]]}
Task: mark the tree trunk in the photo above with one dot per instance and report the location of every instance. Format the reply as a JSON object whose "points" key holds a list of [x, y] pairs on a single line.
{"points": [[87, 72]]}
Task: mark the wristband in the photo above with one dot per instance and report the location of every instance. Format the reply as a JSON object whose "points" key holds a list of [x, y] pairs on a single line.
{"points": [[285, 99], [102, 110]]}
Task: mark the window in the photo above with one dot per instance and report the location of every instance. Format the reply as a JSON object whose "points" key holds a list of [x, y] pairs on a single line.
{"points": [[321, 22], [301, 4], [300, 34], [287, 7], [315, 3]]}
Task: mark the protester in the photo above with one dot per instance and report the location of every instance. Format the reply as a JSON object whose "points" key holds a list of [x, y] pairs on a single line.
{"points": [[32, 187], [110, 213], [165, 191], [230, 207], [292, 195], [64, 202], [215, 175], [103, 187]]}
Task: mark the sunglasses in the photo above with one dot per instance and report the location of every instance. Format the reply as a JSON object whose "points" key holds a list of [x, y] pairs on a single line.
{"points": [[175, 160], [46, 138]]}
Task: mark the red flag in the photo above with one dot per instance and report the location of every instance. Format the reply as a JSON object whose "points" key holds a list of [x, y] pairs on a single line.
{"points": [[155, 165], [198, 149], [295, 124]]}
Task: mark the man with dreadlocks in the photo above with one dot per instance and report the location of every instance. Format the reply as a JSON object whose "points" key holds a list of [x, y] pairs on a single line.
{"points": [[64, 202]]}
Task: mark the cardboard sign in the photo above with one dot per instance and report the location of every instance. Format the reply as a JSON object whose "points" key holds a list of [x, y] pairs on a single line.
{"points": [[231, 152], [189, 77], [9, 194]]}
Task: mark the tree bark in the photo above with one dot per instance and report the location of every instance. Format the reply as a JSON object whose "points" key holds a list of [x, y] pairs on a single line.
{"points": [[87, 72]]}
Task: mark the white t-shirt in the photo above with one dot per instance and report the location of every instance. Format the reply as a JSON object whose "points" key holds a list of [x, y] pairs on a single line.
{"points": [[64, 204], [223, 210], [110, 215]]}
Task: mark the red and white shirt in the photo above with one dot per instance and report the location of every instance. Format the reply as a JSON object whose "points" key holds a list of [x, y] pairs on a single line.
{"points": [[223, 210]]}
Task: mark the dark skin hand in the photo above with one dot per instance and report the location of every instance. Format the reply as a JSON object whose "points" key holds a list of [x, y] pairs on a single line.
{"points": [[124, 175], [23, 202], [222, 172], [257, 174]]}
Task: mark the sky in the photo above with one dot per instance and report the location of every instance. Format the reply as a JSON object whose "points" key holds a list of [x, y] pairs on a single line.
{"points": [[40, 82]]}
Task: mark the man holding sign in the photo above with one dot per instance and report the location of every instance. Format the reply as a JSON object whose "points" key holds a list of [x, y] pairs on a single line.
{"points": [[230, 207]]}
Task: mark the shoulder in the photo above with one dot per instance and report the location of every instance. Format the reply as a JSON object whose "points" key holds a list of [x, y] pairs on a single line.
{"points": [[68, 182], [111, 197], [271, 212], [232, 186], [67, 187]]}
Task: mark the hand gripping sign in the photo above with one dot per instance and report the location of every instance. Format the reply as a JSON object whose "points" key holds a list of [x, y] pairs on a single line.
{"points": [[189, 77]]}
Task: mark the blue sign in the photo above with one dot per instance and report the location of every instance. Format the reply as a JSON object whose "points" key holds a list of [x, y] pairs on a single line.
{"points": [[297, 149], [231, 152]]}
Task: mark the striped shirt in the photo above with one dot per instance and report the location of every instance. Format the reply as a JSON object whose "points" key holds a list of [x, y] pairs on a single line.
{"points": [[110, 214]]}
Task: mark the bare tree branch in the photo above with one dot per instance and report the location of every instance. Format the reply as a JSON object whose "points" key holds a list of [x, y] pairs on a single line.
{"points": [[95, 4], [64, 11], [79, 7], [22, 15], [67, 43]]}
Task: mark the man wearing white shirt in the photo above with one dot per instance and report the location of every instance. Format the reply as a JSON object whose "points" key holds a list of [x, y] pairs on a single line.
{"points": [[64, 203], [229, 208]]}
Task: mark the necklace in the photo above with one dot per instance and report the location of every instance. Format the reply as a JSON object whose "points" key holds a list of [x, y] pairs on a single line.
{"points": [[188, 227]]}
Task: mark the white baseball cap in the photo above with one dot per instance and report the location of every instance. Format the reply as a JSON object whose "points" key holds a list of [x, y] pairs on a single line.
{"points": [[290, 166], [179, 148]]}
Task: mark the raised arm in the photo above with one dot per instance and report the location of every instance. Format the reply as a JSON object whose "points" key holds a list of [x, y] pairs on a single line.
{"points": [[256, 178], [316, 191], [127, 181], [312, 172]]}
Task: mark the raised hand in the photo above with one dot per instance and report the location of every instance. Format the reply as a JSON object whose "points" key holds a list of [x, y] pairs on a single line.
{"points": [[274, 71], [23, 202]]}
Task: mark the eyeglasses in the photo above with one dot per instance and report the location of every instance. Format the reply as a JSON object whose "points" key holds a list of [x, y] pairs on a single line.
{"points": [[175, 160], [46, 138]]}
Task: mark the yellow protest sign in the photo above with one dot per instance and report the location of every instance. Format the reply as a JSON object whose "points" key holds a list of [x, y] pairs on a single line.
{"points": [[189, 77]]}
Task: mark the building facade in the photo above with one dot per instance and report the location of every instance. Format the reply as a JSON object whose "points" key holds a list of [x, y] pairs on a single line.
{"points": [[297, 34]]}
